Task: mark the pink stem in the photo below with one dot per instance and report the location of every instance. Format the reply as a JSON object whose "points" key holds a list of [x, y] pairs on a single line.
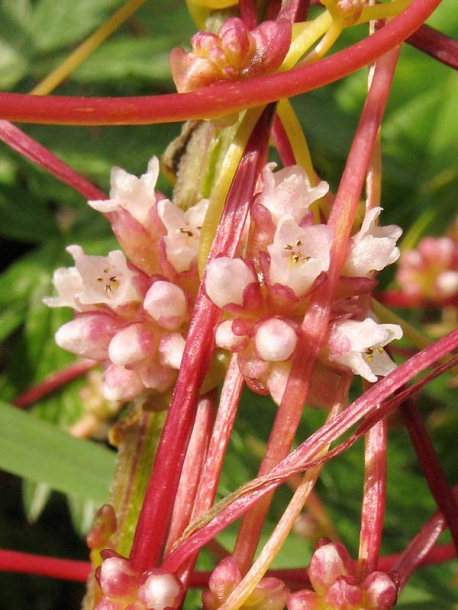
{"points": [[192, 470], [420, 546], [373, 507], [35, 152], [79, 571], [227, 410], [54, 381], [431, 466], [441, 47], [220, 99], [315, 324], [160, 494]]}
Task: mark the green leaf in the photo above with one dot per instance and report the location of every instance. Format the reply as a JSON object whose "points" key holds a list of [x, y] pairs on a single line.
{"points": [[36, 450]]}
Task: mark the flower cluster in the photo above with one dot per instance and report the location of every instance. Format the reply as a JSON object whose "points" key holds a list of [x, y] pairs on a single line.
{"points": [[265, 294], [430, 272], [234, 53], [132, 315], [336, 586]]}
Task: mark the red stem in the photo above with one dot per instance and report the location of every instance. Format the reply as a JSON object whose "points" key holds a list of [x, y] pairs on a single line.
{"points": [[35, 152], [431, 467], [40, 565], [160, 495], [373, 506], [79, 571], [420, 547], [439, 46], [54, 381], [303, 457], [220, 99], [193, 466]]}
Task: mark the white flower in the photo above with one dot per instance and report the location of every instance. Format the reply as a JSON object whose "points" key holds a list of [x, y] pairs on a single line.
{"points": [[298, 255], [358, 345], [288, 192], [106, 279], [136, 195], [372, 248], [183, 232]]}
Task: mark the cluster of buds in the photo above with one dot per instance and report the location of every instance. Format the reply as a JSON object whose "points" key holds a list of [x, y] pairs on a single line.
{"points": [[132, 315], [336, 586], [124, 588], [270, 594], [430, 272], [234, 53]]}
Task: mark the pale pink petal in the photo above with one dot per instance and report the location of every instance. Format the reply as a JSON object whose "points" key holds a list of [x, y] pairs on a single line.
{"points": [[227, 279], [166, 303], [132, 344], [88, 335], [121, 384], [136, 195], [171, 348], [160, 590], [373, 247], [275, 340], [359, 346], [183, 232]]}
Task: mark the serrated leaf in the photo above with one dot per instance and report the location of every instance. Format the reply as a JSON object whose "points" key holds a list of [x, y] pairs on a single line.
{"points": [[36, 450]]}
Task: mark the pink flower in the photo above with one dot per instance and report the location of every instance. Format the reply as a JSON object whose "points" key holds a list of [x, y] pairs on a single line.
{"points": [[431, 271], [106, 280]]}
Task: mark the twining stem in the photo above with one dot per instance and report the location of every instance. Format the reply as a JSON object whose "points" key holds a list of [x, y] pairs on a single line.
{"points": [[367, 406], [315, 322], [431, 466], [35, 152], [374, 496], [420, 547], [282, 529], [193, 467], [157, 507], [221, 99]]}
